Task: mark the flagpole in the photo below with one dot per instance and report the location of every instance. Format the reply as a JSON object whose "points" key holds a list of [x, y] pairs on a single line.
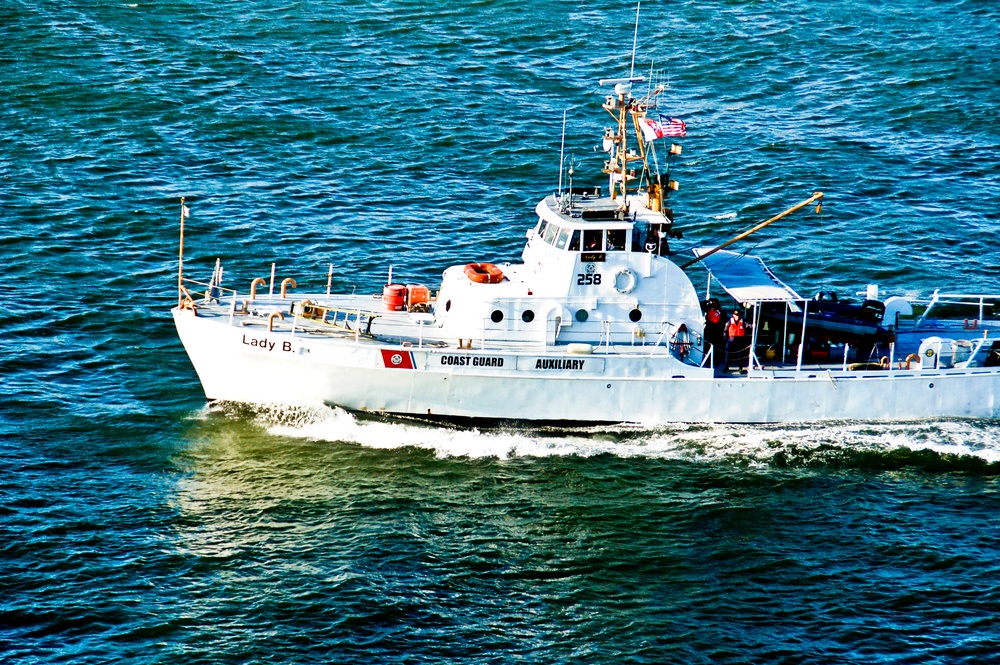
{"points": [[180, 261]]}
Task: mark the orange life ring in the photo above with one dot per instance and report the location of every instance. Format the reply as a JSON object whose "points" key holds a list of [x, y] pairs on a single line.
{"points": [[681, 341], [483, 273]]}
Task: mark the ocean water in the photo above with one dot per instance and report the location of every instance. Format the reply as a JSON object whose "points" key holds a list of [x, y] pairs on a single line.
{"points": [[138, 524]]}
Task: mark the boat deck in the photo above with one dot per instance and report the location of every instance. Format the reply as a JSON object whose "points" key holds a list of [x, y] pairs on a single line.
{"points": [[352, 316]]}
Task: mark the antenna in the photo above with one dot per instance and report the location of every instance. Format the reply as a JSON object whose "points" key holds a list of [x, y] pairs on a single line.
{"points": [[635, 38], [562, 147]]}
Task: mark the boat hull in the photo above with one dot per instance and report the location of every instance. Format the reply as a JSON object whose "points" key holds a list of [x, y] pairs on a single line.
{"points": [[253, 365]]}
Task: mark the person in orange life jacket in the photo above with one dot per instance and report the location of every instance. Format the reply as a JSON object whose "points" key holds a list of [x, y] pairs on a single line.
{"points": [[736, 336]]}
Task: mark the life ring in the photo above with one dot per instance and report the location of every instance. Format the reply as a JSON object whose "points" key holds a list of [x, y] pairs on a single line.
{"points": [[483, 273], [625, 280], [681, 341]]}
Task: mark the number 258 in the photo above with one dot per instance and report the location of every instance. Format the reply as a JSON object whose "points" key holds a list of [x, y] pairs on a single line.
{"points": [[584, 279]]}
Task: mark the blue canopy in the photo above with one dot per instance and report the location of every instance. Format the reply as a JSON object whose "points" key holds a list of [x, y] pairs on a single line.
{"points": [[746, 278]]}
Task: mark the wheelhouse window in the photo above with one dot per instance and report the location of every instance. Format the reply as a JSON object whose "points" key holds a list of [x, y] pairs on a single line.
{"points": [[592, 240], [540, 229], [616, 240], [574, 242], [550, 233], [563, 238]]}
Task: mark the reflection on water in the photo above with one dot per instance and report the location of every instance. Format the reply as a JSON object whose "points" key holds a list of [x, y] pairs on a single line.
{"points": [[244, 464]]}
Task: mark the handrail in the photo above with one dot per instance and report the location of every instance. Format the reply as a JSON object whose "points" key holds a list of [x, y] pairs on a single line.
{"points": [[967, 300], [209, 287]]}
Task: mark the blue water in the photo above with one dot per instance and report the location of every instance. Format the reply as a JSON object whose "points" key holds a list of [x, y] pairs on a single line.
{"points": [[139, 525]]}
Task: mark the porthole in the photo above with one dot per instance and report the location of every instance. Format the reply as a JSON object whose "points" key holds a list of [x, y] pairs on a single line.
{"points": [[496, 316], [581, 315], [528, 316], [447, 306], [634, 316]]}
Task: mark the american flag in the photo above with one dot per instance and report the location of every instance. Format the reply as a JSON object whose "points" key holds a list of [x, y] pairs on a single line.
{"points": [[666, 126]]}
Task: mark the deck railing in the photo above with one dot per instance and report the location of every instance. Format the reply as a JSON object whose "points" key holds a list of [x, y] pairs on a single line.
{"points": [[938, 299]]}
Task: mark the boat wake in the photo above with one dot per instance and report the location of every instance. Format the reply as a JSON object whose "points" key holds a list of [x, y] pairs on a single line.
{"points": [[962, 445]]}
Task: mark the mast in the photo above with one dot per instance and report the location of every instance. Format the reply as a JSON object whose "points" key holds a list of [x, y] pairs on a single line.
{"points": [[620, 165], [619, 106]]}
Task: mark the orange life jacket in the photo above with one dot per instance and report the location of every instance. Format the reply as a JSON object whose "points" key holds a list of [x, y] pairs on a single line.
{"points": [[736, 328]]}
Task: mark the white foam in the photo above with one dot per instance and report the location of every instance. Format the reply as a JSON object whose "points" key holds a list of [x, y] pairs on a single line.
{"points": [[749, 443], [726, 215]]}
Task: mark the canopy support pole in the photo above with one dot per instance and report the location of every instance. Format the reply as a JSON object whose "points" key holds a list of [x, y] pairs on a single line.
{"points": [[802, 340], [784, 336], [752, 355]]}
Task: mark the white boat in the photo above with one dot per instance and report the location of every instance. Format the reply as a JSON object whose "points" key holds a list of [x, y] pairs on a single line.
{"points": [[597, 324]]}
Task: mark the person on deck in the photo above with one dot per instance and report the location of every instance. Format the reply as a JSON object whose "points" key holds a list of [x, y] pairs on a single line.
{"points": [[715, 334], [736, 336]]}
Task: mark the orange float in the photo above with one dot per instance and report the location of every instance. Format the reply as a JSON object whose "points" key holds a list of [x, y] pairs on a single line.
{"points": [[394, 297], [417, 294], [483, 273]]}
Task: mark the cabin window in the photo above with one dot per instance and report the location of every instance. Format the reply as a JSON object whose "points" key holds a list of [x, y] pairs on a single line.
{"points": [[496, 316], [563, 238], [550, 233], [542, 226], [592, 239], [528, 316], [574, 242], [616, 240]]}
